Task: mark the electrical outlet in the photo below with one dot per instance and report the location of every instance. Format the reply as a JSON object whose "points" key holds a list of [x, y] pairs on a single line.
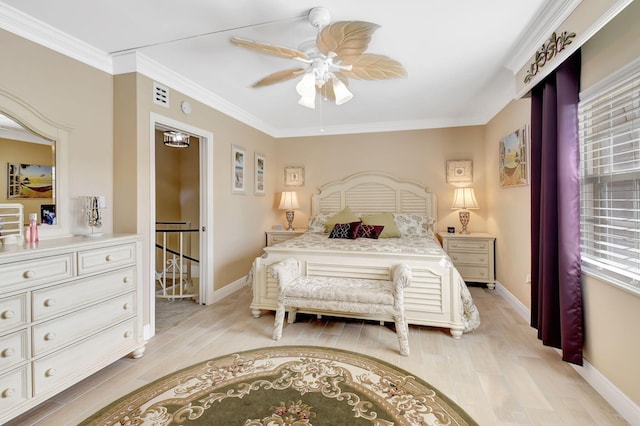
{"points": [[527, 279]]}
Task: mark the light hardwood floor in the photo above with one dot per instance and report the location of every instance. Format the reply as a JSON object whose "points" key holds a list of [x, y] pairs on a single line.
{"points": [[500, 373]]}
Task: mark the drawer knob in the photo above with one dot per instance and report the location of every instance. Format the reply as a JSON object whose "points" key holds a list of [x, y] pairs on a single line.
{"points": [[29, 274], [50, 336], [126, 306], [49, 302], [454, 245], [482, 273], [50, 372], [455, 257], [9, 392], [127, 334], [7, 314], [483, 246], [8, 352], [108, 258], [125, 280]]}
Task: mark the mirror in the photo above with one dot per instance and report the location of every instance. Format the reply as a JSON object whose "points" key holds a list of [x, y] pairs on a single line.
{"points": [[28, 166], [52, 138]]}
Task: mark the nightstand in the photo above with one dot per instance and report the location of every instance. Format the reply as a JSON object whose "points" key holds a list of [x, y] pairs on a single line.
{"points": [[274, 237], [472, 255]]}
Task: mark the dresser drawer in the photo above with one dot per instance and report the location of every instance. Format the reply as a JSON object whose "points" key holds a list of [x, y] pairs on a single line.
{"points": [[75, 362], [474, 273], [467, 245], [107, 258], [13, 349], [13, 312], [479, 258], [53, 300], [37, 271], [14, 389], [59, 332]]}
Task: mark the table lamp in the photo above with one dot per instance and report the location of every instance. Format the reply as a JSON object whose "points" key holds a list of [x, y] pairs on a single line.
{"points": [[464, 199], [289, 202]]}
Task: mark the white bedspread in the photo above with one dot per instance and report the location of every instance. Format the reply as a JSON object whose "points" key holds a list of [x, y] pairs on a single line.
{"points": [[404, 245]]}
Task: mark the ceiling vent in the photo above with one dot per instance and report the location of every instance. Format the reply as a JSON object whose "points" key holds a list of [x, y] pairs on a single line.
{"points": [[160, 95]]}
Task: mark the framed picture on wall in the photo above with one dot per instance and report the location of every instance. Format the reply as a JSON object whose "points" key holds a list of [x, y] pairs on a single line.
{"points": [[514, 158], [259, 174], [294, 176], [459, 171], [238, 167]]}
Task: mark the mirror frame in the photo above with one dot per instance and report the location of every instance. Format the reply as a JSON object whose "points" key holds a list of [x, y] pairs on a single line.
{"points": [[28, 117]]}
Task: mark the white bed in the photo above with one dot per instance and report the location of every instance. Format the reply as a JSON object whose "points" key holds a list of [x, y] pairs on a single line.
{"points": [[437, 297]]}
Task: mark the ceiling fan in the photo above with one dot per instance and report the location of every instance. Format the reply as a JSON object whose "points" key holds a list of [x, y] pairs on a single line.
{"points": [[337, 54]]}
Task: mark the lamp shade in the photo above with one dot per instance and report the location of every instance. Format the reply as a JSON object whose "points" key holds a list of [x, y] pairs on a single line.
{"points": [[464, 198], [342, 93], [289, 201]]}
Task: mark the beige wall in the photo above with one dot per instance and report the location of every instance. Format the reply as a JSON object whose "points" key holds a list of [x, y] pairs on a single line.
{"points": [[78, 97], [509, 218], [609, 312], [420, 155]]}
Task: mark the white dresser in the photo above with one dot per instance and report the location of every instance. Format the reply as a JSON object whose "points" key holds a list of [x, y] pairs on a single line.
{"points": [[472, 255], [68, 308]]}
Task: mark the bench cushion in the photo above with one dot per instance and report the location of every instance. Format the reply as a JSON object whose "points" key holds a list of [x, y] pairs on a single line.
{"points": [[350, 290]]}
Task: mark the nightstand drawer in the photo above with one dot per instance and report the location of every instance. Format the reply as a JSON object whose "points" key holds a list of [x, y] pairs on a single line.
{"points": [[472, 273], [467, 245], [481, 259]]}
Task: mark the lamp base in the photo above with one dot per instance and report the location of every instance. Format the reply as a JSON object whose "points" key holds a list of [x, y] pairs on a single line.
{"points": [[289, 215], [464, 221]]}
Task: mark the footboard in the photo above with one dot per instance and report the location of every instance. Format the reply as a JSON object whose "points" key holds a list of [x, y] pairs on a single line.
{"points": [[433, 299]]}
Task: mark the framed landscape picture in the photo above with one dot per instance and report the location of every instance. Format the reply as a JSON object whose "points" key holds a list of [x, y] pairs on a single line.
{"points": [[238, 167], [514, 158], [259, 174], [29, 181]]}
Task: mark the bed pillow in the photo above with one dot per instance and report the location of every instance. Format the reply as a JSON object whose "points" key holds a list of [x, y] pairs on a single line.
{"points": [[343, 216], [384, 219], [411, 224], [369, 231], [316, 223], [347, 231]]}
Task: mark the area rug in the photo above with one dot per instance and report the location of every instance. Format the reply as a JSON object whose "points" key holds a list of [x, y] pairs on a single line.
{"points": [[286, 385]]}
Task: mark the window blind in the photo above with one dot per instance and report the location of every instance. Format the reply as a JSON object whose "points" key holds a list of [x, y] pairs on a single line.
{"points": [[609, 133]]}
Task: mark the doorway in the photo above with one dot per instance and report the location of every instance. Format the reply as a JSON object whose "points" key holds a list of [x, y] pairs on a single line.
{"points": [[181, 250]]}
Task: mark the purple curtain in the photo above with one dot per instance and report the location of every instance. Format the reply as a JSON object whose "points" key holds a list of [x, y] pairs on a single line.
{"points": [[556, 292]]}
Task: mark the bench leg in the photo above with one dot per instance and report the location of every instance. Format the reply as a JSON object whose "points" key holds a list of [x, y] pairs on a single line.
{"points": [[403, 334], [292, 315], [277, 326]]}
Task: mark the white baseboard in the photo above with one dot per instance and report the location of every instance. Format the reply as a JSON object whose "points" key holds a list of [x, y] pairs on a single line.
{"points": [[614, 396], [229, 289]]}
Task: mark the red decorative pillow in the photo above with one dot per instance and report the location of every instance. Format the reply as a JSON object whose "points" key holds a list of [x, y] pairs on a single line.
{"points": [[369, 231], [345, 230]]}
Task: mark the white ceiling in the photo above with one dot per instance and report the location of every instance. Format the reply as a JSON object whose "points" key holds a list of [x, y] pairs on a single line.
{"points": [[460, 55]]}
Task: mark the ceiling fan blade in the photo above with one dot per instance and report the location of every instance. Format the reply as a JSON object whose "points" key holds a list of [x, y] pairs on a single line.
{"points": [[269, 49], [373, 67], [280, 76], [346, 38]]}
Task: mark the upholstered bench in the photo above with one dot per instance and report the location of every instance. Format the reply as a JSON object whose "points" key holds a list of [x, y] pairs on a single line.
{"points": [[345, 295]]}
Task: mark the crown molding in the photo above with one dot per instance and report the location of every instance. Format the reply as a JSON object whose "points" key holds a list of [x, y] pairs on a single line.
{"points": [[542, 25], [45, 35]]}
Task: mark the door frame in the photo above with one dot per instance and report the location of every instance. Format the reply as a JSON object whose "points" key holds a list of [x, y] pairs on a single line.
{"points": [[206, 294]]}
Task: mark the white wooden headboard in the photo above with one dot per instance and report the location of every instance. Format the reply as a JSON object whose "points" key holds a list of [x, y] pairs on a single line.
{"points": [[374, 192]]}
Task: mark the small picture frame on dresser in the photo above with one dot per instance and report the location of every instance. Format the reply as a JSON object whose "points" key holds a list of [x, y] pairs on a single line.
{"points": [[451, 230]]}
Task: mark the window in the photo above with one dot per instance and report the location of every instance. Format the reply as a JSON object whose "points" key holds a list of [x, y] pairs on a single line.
{"points": [[609, 116]]}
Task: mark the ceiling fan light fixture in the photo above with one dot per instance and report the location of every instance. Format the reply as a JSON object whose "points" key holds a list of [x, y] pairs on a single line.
{"points": [[308, 101], [306, 86], [176, 139], [341, 92]]}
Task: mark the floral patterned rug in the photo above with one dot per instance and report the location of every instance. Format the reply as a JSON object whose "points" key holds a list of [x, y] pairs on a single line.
{"points": [[286, 385]]}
